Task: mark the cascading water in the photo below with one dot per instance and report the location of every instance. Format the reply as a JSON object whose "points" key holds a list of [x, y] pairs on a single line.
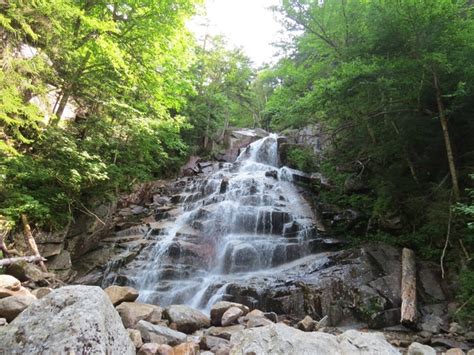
{"points": [[244, 221]]}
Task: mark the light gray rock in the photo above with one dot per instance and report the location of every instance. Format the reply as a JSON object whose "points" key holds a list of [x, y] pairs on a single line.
{"points": [[119, 294], [72, 319], [9, 282], [3, 322], [431, 323], [282, 339], [148, 330], [62, 261], [420, 349], [231, 315], [11, 307], [187, 319], [219, 308]]}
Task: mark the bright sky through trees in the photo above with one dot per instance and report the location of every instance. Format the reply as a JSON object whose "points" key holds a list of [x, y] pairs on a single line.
{"points": [[245, 23]]}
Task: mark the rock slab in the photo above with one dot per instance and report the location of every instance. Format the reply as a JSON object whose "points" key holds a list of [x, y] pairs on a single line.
{"points": [[72, 319], [187, 319]]}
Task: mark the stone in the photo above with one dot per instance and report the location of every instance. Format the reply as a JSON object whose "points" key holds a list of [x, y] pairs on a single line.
{"points": [[132, 312], [455, 351], [11, 307], [24, 271], [470, 352], [186, 349], [60, 262], [165, 349], [41, 292], [9, 282], [149, 349], [187, 319], [456, 328], [219, 308], [47, 250], [307, 324], [282, 339], [120, 294], [3, 322], [210, 342], [225, 332], [148, 330], [22, 291], [136, 337], [431, 323], [71, 319], [420, 349], [231, 315]]}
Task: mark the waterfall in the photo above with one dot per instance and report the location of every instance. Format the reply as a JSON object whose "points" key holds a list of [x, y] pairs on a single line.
{"points": [[240, 222]]}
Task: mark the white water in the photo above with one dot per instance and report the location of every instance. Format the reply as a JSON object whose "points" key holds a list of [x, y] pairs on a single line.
{"points": [[244, 221]]}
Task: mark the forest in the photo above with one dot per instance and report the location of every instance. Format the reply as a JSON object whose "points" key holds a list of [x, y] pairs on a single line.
{"points": [[390, 82]]}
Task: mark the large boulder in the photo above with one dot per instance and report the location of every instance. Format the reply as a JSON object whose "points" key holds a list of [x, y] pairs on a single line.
{"points": [[282, 339], [119, 294], [11, 307], [131, 313], [187, 319], [72, 319]]}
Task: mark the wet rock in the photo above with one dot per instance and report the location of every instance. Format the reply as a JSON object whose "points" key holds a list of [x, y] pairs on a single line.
{"points": [[420, 349], [135, 337], [231, 315], [272, 174], [187, 319], [119, 294], [41, 292], [224, 185], [307, 324], [70, 319], [186, 349], [12, 306], [149, 349], [281, 339], [149, 330], [132, 312]]}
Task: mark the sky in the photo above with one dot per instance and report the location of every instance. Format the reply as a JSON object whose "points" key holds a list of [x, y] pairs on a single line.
{"points": [[245, 23]]}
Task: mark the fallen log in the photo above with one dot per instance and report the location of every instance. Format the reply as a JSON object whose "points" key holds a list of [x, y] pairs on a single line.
{"points": [[28, 259], [408, 288], [30, 241]]}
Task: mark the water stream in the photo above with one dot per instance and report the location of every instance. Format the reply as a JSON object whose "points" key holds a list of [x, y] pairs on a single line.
{"points": [[244, 221]]}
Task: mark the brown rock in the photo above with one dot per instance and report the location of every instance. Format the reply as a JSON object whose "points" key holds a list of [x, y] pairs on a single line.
{"points": [[9, 282], [22, 291], [120, 294], [149, 349], [209, 342], [165, 349], [136, 337], [3, 322], [41, 292], [455, 351], [307, 324], [225, 332], [219, 308], [187, 319], [231, 315], [131, 313], [186, 349], [12, 306]]}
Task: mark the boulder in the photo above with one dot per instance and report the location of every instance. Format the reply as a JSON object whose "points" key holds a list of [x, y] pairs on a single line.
{"points": [[282, 339], [231, 315], [149, 349], [24, 271], [186, 349], [11, 307], [149, 330], [455, 351], [165, 349], [119, 294], [224, 332], [9, 282], [219, 308], [187, 319], [210, 342], [307, 324], [72, 319], [135, 337], [420, 349], [62, 261], [131, 313], [22, 291]]}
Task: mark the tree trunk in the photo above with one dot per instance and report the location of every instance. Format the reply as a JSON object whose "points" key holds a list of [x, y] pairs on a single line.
{"points": [[28, 259], [30, 241], [65, 94], [447, 140], [408, 288]]}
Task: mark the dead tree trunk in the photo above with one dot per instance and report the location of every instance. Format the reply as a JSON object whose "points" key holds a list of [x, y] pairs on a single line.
{"points": [[28, 259], [30, 241], [408, 288]]}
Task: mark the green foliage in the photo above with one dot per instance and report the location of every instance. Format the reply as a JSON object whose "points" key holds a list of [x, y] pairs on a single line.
{"points": [[302, 158]]}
